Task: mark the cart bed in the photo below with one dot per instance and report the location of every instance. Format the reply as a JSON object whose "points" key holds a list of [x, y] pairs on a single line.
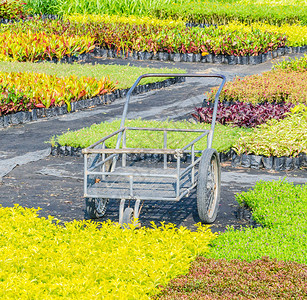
{"points": [[117, 186]]}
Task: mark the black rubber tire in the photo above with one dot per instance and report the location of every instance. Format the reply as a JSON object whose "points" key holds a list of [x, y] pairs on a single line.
{"points": [[127, 216], [208, 186], [95, 208]]}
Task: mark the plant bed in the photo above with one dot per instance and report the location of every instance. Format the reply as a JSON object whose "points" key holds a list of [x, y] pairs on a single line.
{"points": [[280, 145], [225, 136], [37, 113], [122, 38], [280, 208], [263, 278], [242, 114], [101, 257]]}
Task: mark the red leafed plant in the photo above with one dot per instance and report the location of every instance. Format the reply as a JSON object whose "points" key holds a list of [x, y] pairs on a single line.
{"points": [[243, 114]]}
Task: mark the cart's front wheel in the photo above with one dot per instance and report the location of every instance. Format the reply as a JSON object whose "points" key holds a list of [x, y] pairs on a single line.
{"points": [[96, 207], [208, 186], [127, 216]]}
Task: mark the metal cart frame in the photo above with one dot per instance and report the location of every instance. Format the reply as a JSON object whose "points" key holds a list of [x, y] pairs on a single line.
{"points": [[104, 179]]}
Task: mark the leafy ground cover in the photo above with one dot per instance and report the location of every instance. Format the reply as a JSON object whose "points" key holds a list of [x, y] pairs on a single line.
{"points": [[76, 38], [209, 12], [236, 279], [28, 86], [267, 262], [43, 260], [224, 136], [280, 207], [287, 137]]}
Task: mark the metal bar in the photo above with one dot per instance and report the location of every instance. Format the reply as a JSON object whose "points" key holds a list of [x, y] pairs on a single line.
{"points": [[166, 129], [124, 155], [85, 174], [102, 162], [110, 196], [216, 101], [133, 174], [178, 177], [131, 185], [132, 150], [190, 166], [121, 210], [165, 147], [195, 140], [102, 140], [193, 166], [103, 157]]}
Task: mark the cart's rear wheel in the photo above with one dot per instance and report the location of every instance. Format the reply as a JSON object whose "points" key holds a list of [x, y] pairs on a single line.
{"points": [[127, 216], [96, 207], [208, 186]]}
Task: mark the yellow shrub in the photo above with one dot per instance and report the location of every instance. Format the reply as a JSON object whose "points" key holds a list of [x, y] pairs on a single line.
{"points": [[85, 260]]}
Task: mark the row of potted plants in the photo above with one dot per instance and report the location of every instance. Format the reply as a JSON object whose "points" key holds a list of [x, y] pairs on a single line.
{"points": [[141, 38]]}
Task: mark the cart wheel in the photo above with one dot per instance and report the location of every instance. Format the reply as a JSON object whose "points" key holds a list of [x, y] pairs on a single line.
{"points": [[208, 186], [96, 207], [127, 216]]}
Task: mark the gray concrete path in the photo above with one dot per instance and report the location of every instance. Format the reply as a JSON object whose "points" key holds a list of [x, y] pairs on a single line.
{"points": [[32, 178]]}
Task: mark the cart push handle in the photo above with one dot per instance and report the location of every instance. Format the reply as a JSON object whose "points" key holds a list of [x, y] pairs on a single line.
{"points": [[210, 136]]}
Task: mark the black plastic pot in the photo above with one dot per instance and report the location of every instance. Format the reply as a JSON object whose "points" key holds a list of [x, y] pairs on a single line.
{"points": [[274, 53], [256, 161], [279, 163], [190, 57], [183, 56], [1, 122], [289, 163], [111, 53], [197, 57], [176, 57], [255, 60], [281, 51], [163, 56], [264, 57], [268, 162], [134, 55], [218, 59], [148, 55], [235, 160], [141, 55], [243, 60], [288, 49], [246, 161], [209, 58], [231, 60]]}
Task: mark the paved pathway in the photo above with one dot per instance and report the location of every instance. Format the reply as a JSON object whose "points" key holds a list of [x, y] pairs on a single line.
{"points": [[55, 184]]}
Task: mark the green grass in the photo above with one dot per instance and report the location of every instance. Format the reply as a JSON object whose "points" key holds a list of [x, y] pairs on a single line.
{"points": [[281, 207], [212, 11], [125, 75], [224, 136]]}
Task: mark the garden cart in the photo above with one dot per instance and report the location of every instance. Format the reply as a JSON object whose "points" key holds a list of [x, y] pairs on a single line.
{"points": [[117, 173]]}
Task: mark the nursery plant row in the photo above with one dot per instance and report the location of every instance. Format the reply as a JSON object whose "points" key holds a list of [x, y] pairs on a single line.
{"points": [[58, 38], [267, 262], [18, 109], [276, 86], [287, 137], [279, 145], [209, 12]]}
